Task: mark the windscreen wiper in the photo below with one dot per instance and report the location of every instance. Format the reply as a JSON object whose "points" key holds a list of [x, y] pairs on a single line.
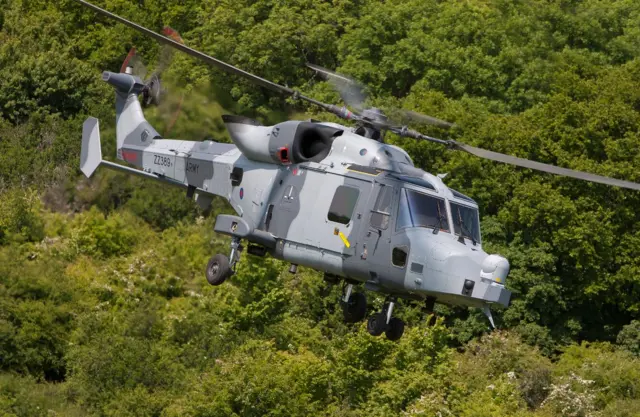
{"points": [[464, 229], [440, 218]]}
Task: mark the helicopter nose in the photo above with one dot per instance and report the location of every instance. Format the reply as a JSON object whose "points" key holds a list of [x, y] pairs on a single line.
{"points": [[495, 268]]}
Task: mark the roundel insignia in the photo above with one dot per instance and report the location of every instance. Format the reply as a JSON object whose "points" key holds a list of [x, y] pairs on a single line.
{"points": [[363, 152], [241, 193]]}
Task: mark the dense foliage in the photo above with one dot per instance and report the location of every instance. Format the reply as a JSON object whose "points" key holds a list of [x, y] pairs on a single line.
{"points": [[104, 309]]}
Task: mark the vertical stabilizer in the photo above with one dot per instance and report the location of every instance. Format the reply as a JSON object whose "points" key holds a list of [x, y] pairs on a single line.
{"points": [[91, 154], [133, 132]]}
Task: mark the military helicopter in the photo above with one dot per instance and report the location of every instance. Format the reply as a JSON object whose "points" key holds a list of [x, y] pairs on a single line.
{"points": [[326, 196]]}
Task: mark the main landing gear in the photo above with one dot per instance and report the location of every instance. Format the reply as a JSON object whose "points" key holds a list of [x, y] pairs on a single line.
{"points": [[354, 304], [220, 267], [354, 308], [429, 310], [383, 322]]}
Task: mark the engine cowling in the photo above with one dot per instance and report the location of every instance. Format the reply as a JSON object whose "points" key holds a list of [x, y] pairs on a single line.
{"points": [[290, 142]]}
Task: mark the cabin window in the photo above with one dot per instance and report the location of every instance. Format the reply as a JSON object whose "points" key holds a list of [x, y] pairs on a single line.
{"points": [[343, 204], [399, 256], [382, 208]]}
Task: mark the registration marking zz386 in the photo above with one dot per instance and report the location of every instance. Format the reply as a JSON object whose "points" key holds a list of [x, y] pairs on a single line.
{"points": [[161, 160]]}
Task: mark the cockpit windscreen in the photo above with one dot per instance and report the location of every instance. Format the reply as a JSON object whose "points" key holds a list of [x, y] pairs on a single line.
{"points": [[421, 210], [465, 221]]}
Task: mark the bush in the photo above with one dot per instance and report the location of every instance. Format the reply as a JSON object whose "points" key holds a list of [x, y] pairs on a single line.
{"points": [[94, 234], [615, 373], [498, 354], [629, 338], [161, 206], [257, 380], [38, 303], [114, 352], [23, 397], [20, 216]]}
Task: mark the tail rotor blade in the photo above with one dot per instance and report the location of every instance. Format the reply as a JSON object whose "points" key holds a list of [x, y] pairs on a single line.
{"points": [[138, 67], [174, 117], [127, 60], [169, 32], [167, 52], [134, 61]]}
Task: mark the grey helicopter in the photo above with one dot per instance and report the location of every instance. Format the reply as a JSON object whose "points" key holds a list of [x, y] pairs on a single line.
{"points": [[326, 196]]}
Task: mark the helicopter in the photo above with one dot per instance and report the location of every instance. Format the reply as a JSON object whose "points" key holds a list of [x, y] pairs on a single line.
{"points": [[322, 195]]}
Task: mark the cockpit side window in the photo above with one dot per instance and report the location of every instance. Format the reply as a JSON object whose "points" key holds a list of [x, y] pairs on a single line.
{"points": [[422, 210], [382, 208], [399, 256], [343, 204]]}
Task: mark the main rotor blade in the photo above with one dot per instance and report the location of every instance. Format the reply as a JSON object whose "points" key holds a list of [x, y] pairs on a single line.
{"points": [[339, 111], [514, 160], [197, 54], [419, 117], [350, 90], [526, 163]]}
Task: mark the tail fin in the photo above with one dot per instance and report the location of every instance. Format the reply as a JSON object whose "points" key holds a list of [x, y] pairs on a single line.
{"points": [[133, 132], [91, 154]]}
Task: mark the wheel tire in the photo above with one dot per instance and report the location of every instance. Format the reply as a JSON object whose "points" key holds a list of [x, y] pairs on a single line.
{"points": [[395, 329], [218, 269], [356, 308], [377, 324], [331, 279]]}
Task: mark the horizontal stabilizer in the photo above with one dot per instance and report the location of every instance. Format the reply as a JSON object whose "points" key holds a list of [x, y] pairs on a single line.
{"points": [[91, 154]]}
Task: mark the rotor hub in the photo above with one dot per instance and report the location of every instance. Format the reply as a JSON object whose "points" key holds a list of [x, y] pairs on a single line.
{"points": [[375, 115]]}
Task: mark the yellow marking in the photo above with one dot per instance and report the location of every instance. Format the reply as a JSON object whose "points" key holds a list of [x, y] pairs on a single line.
{"points": [[498, 279], [344, 239], [365, 173]]}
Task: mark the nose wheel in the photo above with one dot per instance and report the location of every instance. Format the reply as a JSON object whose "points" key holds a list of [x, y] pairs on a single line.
{"points": [[383, 322]]}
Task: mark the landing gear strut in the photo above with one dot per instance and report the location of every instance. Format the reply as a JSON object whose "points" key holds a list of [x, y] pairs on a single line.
{"points": [[354, 305], [429, 305], [220, 267], [383, 322]]}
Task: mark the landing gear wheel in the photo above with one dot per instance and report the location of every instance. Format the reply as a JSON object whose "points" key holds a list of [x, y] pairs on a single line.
{"points": [[377, 324], [395, 329], [331, 279], [356, 308], [218, 269]]}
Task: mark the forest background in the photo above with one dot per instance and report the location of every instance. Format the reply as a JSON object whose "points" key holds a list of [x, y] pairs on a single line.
{"points": [[104, 309]]}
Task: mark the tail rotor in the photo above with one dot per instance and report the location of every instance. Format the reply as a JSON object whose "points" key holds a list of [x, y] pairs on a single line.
{"points": [[154, 92]]}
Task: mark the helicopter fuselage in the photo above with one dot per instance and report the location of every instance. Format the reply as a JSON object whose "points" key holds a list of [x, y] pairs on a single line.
{"points": [[321, 196]]}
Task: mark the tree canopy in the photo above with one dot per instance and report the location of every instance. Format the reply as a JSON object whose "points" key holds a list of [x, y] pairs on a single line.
{"points": [[103, 305]]}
